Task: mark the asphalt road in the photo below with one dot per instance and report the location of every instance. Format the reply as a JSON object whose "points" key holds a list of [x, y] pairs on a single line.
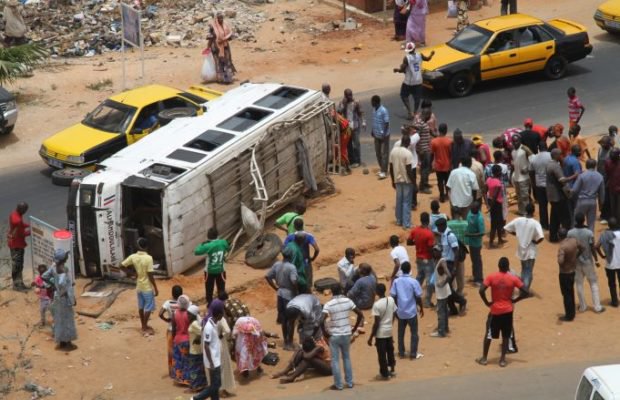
{"points": [[491, 108], [555, 382]]}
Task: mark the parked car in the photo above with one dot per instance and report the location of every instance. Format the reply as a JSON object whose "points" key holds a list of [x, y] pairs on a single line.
{"points": [[8, 111], [607, 16], [504, 46], [119, 121], [599, 383]]}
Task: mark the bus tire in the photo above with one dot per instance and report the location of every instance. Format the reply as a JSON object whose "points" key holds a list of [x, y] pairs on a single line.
{"points": [[64, 177], [324, 284], [262, 252]]}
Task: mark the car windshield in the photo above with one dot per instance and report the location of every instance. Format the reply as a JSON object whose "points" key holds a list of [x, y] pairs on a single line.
{"points": [[471, 39], [110, 116]]}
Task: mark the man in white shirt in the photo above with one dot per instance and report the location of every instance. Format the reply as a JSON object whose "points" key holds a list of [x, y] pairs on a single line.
{"points": [[383, 312], [538, 175], [412, 84], [398, 255], [212, 355], [529, 233], [346, 269], [462, 186], [403, 180], [339, 334], [414, 140], [521, 173]]}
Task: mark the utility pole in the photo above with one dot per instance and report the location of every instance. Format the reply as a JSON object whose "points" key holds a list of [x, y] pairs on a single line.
{"points": [[344, 9]]}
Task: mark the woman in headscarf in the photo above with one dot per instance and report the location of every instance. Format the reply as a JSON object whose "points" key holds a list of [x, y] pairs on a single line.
{"points": [[223, 329], [64, 301], [250, 345], [219, 36], [401, 14], [194, 367], [180, 333], [14, 26], [416, 24]]}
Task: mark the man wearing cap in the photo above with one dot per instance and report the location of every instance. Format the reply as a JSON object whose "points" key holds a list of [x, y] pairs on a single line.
{"points": [[412, 84], [146, 287], [530, 138], [483, 152], [521, 173], [18, 231], [285, 276]]}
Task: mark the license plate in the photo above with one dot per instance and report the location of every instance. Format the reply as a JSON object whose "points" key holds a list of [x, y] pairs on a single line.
{"points": [[612, 24], [54, 163]]}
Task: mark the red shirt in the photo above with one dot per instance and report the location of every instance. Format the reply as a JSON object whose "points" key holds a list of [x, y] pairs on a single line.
{"points": [[424, 241], [181, 320], [564, 145], [502, 286], [574, 108], [441, 147], [541, 130], [18, 230]]}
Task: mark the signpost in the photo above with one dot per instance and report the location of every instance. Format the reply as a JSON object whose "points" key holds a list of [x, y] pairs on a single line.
{"points": [[42, 243], [131, 34]]}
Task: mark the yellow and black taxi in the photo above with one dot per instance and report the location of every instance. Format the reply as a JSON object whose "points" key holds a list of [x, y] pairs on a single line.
{"points": [[119, 121], [504, 46], [607, 16]]}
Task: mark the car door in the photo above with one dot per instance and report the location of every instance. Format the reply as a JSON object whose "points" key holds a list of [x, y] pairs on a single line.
{"points": [[501, 57], [536, 46], [145, 123]]}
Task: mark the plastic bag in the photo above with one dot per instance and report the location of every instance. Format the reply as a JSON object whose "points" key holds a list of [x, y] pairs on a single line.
{"points": [[208, 72], [251, 223], [452, 10]]}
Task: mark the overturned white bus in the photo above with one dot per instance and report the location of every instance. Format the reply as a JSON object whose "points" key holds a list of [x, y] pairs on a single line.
{"points": [[194, 173]]}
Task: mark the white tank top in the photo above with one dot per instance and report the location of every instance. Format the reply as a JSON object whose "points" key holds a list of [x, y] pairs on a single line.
{"points": [[413, 73]]}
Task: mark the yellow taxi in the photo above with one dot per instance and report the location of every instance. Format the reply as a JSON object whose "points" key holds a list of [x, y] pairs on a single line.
{"points": [[119, 121], [504, 46], [607, 16]]}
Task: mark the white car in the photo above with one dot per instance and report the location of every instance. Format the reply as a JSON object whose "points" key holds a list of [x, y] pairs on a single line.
{"points": [[599, 383]]}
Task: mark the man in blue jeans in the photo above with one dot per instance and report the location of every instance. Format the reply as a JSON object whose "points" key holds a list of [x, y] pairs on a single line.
{"points": [[339, 334], [407, 293], [212, 350], [403, 180]]}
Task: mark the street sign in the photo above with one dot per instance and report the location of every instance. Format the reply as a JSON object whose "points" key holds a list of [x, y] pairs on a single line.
{"points": [[131, 26]]}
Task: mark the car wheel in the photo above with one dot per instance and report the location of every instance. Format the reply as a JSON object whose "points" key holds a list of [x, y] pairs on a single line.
{"points": [[461, 84], [262, 252], [165, 116], [8, 130], [555, 68], [64, 177]]}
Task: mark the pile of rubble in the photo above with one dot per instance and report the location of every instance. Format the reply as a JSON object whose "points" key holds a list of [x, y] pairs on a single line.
{"points": [[90, 27]]}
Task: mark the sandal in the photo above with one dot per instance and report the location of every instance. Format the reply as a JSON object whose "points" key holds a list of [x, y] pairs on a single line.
{"points": [[503, 363], [482, 361]]}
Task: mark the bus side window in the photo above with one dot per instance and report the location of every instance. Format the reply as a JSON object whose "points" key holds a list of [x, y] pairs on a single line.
{"points": [[584, 391]]}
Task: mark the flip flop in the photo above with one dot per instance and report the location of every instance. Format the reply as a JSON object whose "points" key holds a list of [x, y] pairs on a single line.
{"points": [[503, 363], [481, 361]]}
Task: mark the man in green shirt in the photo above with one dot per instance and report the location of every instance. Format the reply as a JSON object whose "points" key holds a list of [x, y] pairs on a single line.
{"points": [[459, 226], [216, 251], [285, 221], [473, 238], [297, 260]]}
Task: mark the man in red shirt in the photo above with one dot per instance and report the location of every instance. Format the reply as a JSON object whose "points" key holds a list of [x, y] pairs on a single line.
{"points": [[441, 151], [18, 230], [502, 285], [424, 240]]}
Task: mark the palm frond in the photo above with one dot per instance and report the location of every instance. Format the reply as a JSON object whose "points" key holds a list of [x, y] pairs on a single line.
{"points": [[16, 60]]}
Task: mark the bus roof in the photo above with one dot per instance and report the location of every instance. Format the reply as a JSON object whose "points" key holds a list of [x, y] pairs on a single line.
{"points": [[187, 143]]}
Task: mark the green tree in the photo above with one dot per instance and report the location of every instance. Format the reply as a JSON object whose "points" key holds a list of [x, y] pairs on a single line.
{"points": [[16, 60]]}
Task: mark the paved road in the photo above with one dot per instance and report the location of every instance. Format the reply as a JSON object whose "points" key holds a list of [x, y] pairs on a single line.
{"points": [[491, 108], [556, 382]]}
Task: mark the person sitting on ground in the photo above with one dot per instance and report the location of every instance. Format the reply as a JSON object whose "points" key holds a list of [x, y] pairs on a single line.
{"points": [[346, 269], [363, 291], [314, 354]]}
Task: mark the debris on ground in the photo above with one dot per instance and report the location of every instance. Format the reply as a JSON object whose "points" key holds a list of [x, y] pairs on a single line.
{"points": [[94, 26], [38, 391]]}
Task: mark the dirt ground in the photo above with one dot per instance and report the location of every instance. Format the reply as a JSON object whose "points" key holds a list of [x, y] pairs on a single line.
{"points": [[121, 364]]}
